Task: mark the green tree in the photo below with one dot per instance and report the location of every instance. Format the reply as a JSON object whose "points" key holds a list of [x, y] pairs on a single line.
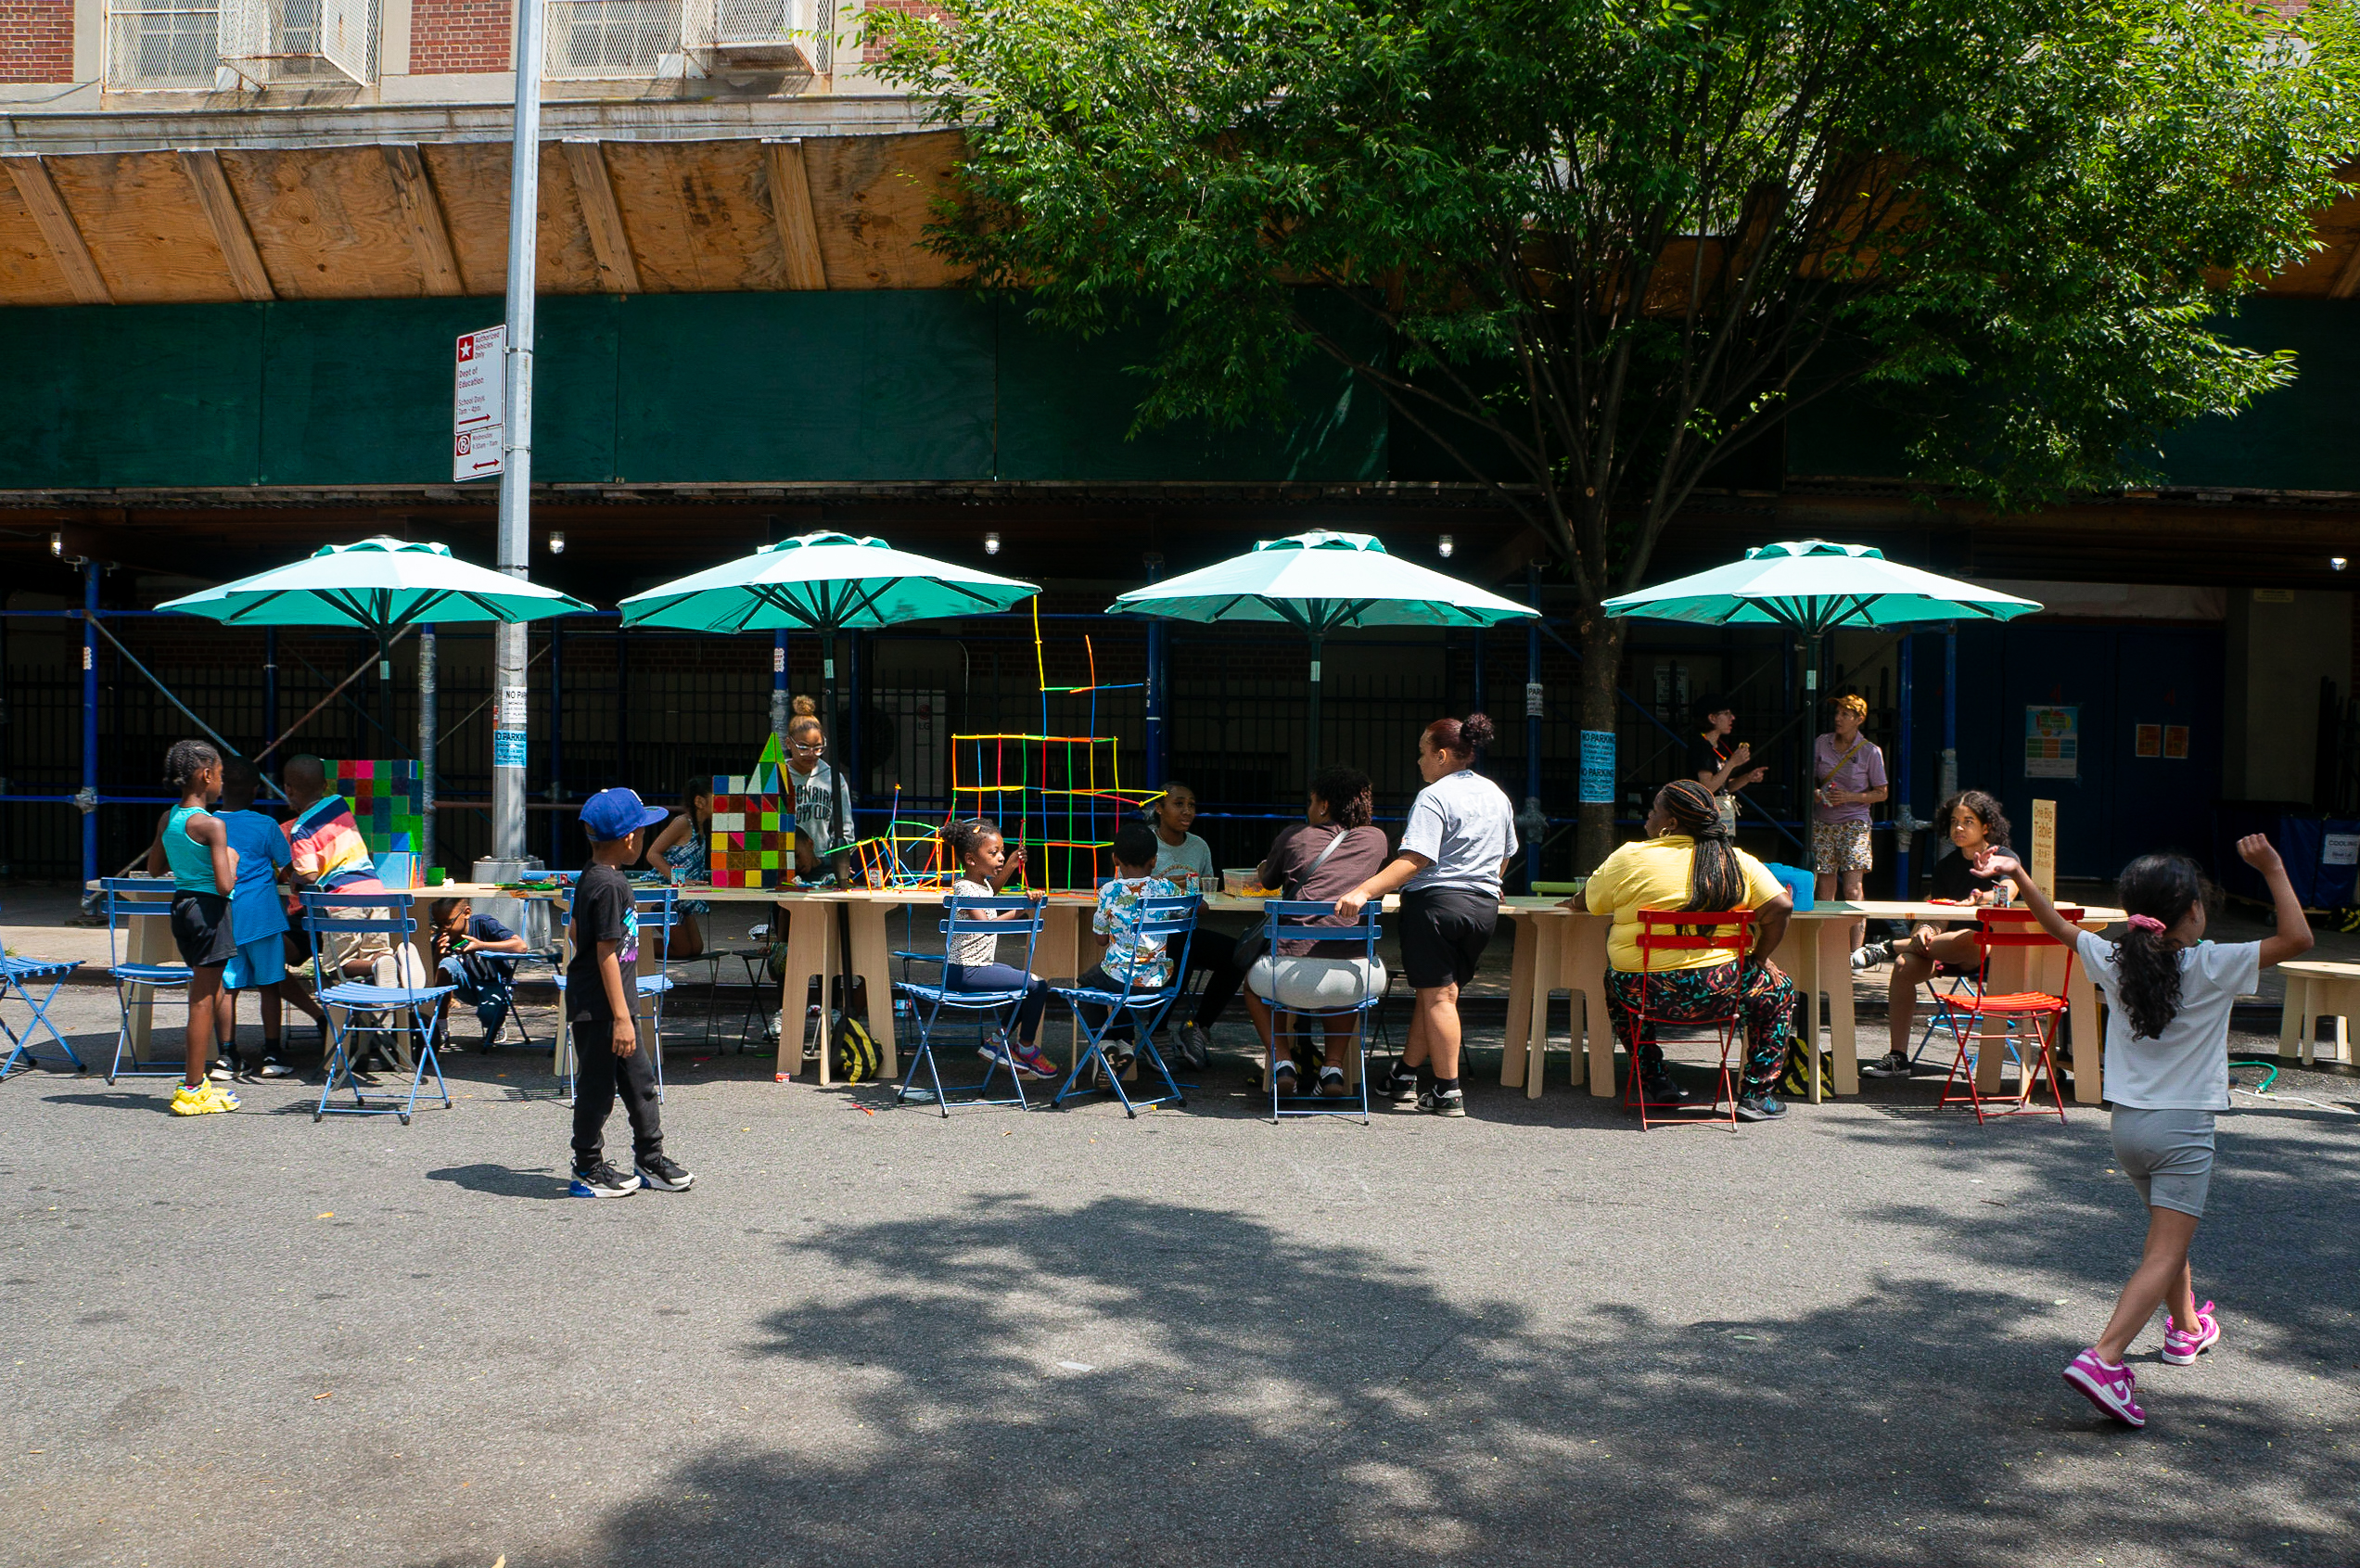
{"points": [[1614, 243]]}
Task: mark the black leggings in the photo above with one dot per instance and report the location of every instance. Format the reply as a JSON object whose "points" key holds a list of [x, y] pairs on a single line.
{"points": [[1216, 956]]}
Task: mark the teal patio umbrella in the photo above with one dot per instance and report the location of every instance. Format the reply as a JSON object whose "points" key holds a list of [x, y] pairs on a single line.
{"points": [[823, 583], [381, 586], [1813, 587], [1320, 581]]}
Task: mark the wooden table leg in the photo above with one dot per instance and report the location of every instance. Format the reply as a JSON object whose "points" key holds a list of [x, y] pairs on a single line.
{"points": [[2295, 1027], [1057, 959], [1548, 946], [1520, 993], [1583, 964], [1798, 955], [810, 926], [1835, 974], [146, 939], [869, 959]]}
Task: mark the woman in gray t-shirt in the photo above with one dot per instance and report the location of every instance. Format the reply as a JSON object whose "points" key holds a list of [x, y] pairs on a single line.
{"points": [[1455, 850]]}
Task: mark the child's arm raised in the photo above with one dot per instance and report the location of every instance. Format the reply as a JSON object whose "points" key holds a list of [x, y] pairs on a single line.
{"points": [[2000, 862], [2295, 936]]}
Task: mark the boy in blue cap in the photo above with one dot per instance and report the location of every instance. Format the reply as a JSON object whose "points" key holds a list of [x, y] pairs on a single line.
{"points": [[598, 1005]]}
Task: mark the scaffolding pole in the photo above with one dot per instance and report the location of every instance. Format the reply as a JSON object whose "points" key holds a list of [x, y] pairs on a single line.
{"points": [[88, 799]]}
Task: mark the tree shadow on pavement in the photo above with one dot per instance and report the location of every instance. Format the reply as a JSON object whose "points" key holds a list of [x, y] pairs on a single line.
{"points": [[1132, 1381], [2277, 1244]]}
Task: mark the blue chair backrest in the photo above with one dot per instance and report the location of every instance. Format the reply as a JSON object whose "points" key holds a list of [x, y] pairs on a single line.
{"points": [[326, 912], [975, 917], [1167, 918], [121, 904], [659, 907], [1296, 920]]}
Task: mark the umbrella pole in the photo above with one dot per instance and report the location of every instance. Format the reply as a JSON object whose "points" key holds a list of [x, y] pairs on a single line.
{"points": [[1312, 748]]}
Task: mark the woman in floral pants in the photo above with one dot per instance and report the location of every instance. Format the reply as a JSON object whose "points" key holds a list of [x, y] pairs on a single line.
{"points": [[1688, 862]]}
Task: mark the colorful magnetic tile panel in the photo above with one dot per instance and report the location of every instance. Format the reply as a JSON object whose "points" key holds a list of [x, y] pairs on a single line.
{"points": [[388, 800], [753, 842]]}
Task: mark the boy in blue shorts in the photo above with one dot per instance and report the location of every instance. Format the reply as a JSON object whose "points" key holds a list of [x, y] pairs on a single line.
{"points": [[257, 920]]}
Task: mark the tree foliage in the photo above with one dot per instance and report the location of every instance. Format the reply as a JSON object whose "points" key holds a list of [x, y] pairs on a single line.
{"points": [[1614, 241]]}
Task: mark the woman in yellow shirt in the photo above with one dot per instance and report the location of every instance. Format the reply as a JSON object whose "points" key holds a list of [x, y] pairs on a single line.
{"points": [[1688, 862]]}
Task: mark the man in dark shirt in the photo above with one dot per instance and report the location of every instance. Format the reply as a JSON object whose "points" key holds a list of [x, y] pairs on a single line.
{"points": [[600, 984]]}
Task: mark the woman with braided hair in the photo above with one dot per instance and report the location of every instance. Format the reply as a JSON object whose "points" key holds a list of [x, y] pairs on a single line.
{"points": [[1688, 862]]}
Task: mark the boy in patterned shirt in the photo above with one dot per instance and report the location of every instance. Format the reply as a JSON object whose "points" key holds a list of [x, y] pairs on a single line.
{"points": [[1130, 955]]}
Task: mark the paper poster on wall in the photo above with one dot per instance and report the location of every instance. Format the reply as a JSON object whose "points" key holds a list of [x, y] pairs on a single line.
{"points": [[2147, 740], [2052, 742], [1598, 767], [2339, 849], [2175, 743]]}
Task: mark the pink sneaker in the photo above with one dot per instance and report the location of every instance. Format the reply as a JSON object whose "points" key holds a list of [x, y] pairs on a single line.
{"points": [[2181, 1346], [2111, 1389]]}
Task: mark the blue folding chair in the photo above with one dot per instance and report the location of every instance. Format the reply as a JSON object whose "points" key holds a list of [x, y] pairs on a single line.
{"points": [[964, 918], [659, 911], [1169, 921], [124, 905], [1296, 920], [14, 974], [395, 915]]}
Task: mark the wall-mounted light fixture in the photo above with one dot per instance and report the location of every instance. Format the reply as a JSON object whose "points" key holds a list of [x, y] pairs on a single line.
{"points": [[991, 544], [556, 542], [57, 545], [1447, 546]]}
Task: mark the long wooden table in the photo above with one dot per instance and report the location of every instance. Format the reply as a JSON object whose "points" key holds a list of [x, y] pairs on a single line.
{"points": [[1558, 949]]}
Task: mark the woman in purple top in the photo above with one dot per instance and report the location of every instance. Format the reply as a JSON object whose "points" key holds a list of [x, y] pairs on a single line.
{"points": [[1847, 774]]}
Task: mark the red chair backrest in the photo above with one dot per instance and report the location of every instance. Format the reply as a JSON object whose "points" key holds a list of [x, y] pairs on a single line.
{"points": [[1692, 931], [2021, 928]]}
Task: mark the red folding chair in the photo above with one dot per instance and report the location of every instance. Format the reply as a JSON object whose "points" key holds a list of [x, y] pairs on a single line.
{"points": [[1686, 931], [2027, 1021]]}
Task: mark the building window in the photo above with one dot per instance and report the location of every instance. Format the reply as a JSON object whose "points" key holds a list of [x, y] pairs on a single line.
{"points": [[270, 41], [162, 43], [590, 39]]}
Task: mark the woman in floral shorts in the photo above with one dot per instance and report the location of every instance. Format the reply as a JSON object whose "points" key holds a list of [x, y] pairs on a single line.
{"points": [[1847, 771]]}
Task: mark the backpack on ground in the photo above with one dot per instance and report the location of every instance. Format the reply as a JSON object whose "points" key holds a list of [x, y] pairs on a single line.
{"points": [[857, 1057]]}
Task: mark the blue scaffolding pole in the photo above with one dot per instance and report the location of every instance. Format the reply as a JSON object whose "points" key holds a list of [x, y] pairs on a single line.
{"points": [[88, 799]]}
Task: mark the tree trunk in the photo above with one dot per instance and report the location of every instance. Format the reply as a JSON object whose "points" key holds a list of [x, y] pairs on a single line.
{"points": [[1601, 647]]}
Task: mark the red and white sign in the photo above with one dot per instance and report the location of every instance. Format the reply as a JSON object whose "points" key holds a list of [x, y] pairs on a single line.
{"points": [[478, 435]]}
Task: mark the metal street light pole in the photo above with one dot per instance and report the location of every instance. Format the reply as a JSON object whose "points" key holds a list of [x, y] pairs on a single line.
{"points": [[515, 474]]}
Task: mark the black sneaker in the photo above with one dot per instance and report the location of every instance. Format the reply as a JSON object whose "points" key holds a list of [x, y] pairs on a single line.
{"points": [[1443, 1102], [274, 1068], [1400, 1091], [1760, 1107], [665, 1174], [1664, 1090], [1283, 1080], [225, 1070], [1892, 1065], [1873, 955], [603, 1180]]}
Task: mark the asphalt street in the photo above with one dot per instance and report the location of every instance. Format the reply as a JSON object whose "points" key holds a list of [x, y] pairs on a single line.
{"points": [[872, 1337]]}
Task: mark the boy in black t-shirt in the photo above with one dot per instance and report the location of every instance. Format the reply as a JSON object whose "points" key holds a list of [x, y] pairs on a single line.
{"points": [[600, 984]]}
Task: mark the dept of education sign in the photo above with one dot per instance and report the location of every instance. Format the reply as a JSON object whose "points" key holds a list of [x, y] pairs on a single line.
{"points": [[479, 413]]}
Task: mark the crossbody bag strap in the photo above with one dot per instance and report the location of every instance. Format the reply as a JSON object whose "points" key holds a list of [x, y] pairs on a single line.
{"points": [[1848, 753]]}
